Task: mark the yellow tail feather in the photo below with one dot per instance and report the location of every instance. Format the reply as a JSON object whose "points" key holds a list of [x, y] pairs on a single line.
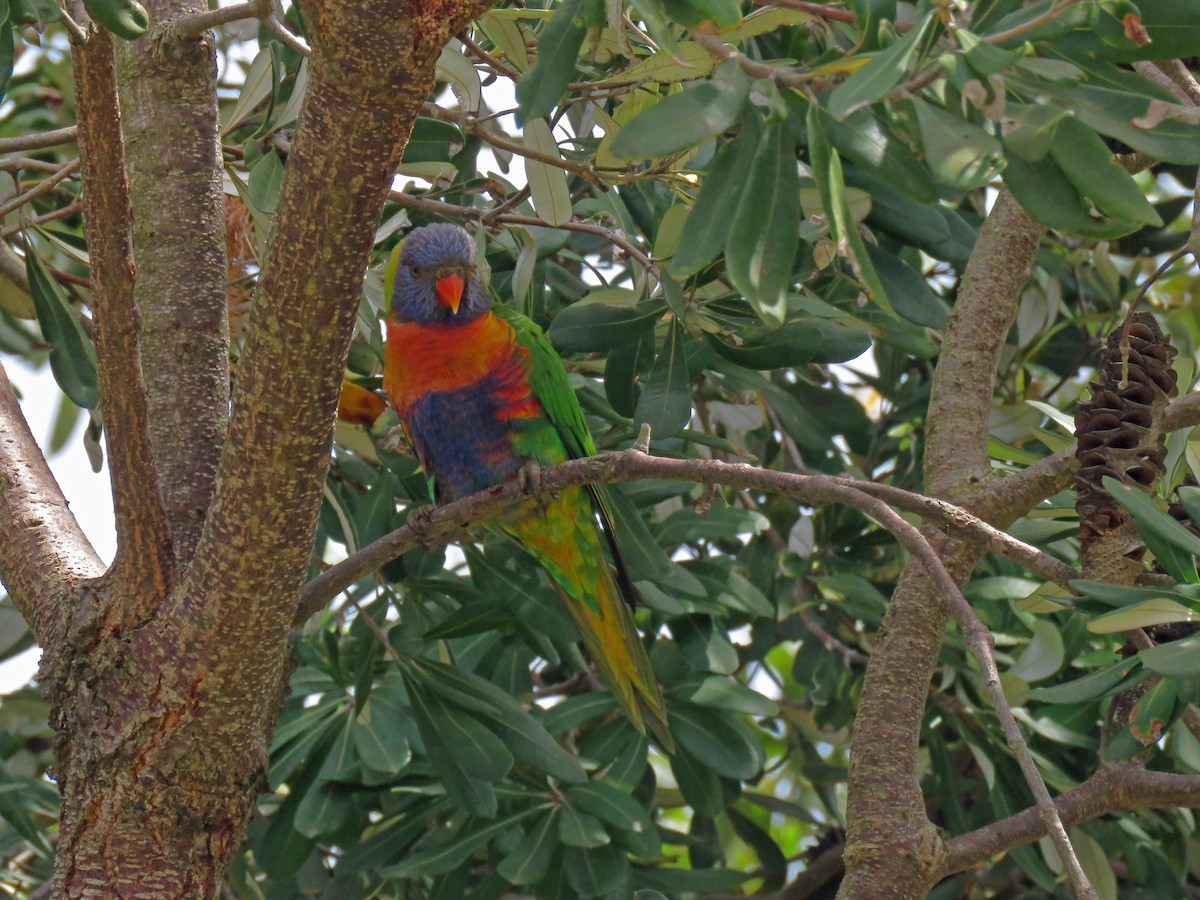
{"points": [[613, 642]]}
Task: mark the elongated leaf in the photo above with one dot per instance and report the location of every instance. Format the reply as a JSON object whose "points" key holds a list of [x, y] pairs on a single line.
{"points": [[686, 119], [464, 80], [691, 62], [1033, 129], [961, 155], [596, 871], [1143, 615], [431, 141], [666, 400], [611, 805], [761, 248], [884, 70], [577, 828], [515, 727], [558, 46], [72, 356], [455, 850], [528, 862], [7, 49], [590, 327], [380, 739], [547, 183], [1178, 659], [707, 226], [718, 739], [1046, 193], [1094, 171], [1089, 687], [1162, 534]]}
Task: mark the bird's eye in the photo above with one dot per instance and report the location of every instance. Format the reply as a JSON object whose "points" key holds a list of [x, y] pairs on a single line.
{"points": [[414, 270]]}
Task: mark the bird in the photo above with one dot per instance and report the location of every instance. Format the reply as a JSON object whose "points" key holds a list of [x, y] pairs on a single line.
{"points": [[483, 398]]}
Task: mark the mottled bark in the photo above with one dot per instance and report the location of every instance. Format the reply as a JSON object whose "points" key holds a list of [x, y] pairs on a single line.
{"points": [[164, 721], [44, 556], [892, 849], [169, 110], [144, 560]]}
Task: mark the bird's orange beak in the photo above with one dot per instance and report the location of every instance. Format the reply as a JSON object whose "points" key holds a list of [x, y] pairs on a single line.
{"points": [[450, 290]]}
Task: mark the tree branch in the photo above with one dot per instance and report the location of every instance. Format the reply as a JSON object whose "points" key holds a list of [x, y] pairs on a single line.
{"points": [[43, 552], [169, 100], [143, 538], [38, 141], [1124, 786], [956, 458]]}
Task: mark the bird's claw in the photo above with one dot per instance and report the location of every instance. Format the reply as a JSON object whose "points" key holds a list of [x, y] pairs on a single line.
{"points": [[529, 476], [420, 520]]}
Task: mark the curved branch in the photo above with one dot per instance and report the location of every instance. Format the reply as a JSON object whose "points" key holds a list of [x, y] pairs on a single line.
{"points": [[956, 458], [44, 554], [1122, 787]]}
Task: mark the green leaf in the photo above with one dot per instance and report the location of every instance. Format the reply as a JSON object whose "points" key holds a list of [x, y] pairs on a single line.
{"points": [[380, 739], [1042, 656], [72, 356], [464, 80], [1097, 684], [547, 183], [431, 140], [527, 863], [455, 850], [471, 619], [883, 71], [798, 341], [1094, 171], [897, 213], [961, 156], [1033, 129], [519, 731], [691, 62], [465, 755], [707, 226], [324, 809], [694, 13], [725, 693], [558, 46], [1046, 193], [1149, 612], [596, 871], [1177, 659], [1173, 27], [611, 805], [761, 248], [907, 290], [7, 49], [596, 327], [717, 739], [686, 119], [577, 828], [666, 400], [1161, 532]]}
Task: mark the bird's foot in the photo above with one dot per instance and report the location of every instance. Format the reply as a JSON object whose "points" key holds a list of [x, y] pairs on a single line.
{"points": [[529, 476], [420, 520]]}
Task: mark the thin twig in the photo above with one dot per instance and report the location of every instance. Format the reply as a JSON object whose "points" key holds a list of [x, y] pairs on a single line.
{"points": [[415, 201], [42, 187], [40, 140], [815, 9], [197, 24], [286, 36]]}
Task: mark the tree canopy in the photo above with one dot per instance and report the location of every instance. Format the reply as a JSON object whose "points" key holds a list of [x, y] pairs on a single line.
{"points": [[855, 266]]}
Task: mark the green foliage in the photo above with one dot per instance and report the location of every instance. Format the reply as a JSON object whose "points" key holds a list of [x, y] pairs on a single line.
{"points": [[706, 247]]}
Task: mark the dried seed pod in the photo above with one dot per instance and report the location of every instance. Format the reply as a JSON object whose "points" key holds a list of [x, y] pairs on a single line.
{"points": [[1119, 435]]}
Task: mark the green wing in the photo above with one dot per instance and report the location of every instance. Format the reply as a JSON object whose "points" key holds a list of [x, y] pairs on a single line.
{"points": [[553, 390]]}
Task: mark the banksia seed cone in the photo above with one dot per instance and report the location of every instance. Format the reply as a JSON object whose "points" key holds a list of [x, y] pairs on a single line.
{"points": [[1119, 434]]}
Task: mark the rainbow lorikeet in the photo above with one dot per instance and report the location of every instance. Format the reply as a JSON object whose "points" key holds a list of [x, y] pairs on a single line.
{"points": [[482, 395]]}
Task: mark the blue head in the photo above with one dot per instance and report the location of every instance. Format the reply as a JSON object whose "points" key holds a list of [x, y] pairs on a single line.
{"points": [[435, 278]]}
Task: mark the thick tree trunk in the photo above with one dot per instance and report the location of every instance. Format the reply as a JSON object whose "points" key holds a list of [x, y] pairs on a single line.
{"points": [[166, 676]]}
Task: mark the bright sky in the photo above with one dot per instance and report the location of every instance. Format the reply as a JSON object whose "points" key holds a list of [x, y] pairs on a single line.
{"points": [[86, 491]]}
